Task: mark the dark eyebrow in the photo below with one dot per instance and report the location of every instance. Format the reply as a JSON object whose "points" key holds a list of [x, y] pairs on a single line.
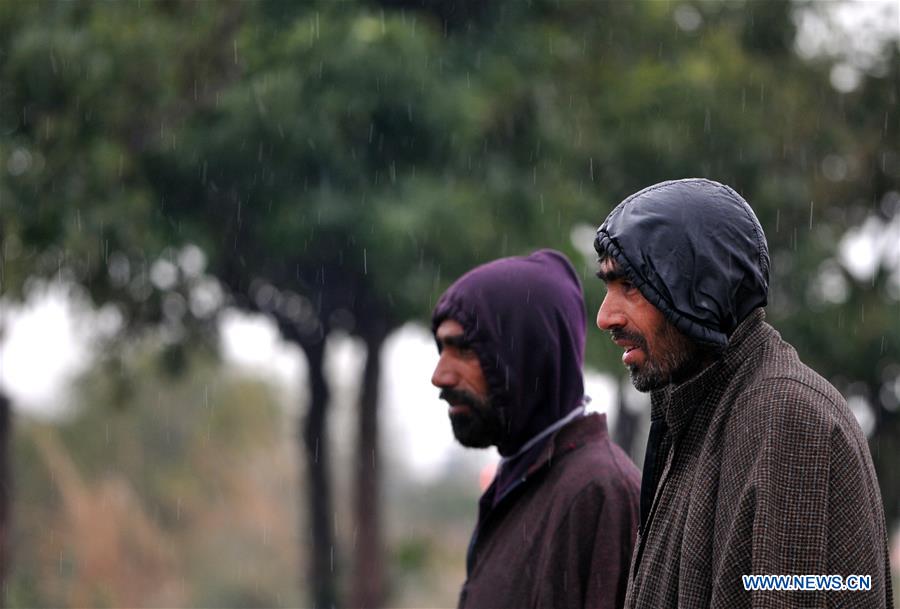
{"points": [[614, 274], [456, 341]]}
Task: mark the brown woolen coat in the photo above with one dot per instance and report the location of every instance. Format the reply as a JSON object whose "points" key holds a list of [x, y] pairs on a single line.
{"points": [[764, 471]]}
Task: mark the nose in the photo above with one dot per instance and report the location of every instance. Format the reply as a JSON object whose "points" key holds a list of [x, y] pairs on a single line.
{"points": [[444, 375], [610, 316]]}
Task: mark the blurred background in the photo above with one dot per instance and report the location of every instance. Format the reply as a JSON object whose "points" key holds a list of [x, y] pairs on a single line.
{"points": [[223, 226]]}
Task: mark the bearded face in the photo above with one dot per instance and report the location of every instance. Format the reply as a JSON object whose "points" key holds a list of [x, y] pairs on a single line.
{"points": [[476, 422], [655, 352], [669, 356]]}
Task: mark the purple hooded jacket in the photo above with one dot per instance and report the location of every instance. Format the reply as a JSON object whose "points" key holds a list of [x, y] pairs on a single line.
{"points": [[557, 525], [524, 318]]}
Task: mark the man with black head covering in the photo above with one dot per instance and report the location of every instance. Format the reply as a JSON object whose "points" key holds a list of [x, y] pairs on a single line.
{"points": [[556, 526], [755, 465]]}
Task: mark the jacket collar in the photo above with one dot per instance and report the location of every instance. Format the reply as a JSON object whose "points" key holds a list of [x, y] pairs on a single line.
{"points": [[677, 403], [582, 430], [574, 435]]}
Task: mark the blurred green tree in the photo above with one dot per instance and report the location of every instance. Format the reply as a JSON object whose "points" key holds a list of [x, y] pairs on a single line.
{"points": [[340, 163]]}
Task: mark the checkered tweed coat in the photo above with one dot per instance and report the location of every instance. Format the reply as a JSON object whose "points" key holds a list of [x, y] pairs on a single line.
{"points": [[763, 470]]}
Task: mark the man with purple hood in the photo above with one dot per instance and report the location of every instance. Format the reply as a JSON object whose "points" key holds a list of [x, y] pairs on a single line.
{"points": [[557, 524]]}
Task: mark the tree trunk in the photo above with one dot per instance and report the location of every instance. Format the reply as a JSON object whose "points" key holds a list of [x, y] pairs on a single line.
{"points": [[368, 573], [5, 491], [322, 552]]}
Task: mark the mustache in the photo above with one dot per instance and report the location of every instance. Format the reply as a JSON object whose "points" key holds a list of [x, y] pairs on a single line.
{"points": [[637, 339], [458, 396]]}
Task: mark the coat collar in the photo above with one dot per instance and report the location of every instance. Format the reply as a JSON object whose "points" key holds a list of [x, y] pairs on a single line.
{"points": [[579, 432], [677, 403]]}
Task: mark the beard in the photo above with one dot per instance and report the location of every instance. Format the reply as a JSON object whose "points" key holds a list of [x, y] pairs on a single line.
{"points": [[673, 359], [481, 426]]}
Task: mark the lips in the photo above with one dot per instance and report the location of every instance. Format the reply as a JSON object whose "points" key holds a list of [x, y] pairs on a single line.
{"points": [[633, 346], [631, 355], [459, 409], [460, 403]]}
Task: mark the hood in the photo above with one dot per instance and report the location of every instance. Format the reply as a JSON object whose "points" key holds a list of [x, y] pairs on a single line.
{"points": [[524, 317], [695, 250]]}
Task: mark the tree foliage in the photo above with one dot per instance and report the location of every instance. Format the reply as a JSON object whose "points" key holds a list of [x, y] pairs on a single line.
{"points": [[340, 162]]}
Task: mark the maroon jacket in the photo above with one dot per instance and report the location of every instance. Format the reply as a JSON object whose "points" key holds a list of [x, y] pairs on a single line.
{"points": [[557, 526], [562, 535]]}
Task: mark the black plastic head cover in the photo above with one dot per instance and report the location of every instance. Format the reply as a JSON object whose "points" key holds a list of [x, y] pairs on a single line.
{"points": [[695, 250]]}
